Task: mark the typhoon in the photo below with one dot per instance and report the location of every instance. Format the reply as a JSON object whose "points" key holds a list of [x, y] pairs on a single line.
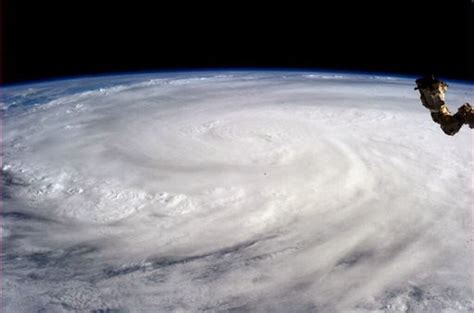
{"points": [[251, 191]]}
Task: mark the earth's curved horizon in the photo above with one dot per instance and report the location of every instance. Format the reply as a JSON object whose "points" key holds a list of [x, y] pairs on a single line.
{"points": [[234, 191]]}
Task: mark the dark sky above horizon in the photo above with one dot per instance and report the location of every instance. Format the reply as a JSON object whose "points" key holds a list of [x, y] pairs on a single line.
{"points": [[42, 40]]}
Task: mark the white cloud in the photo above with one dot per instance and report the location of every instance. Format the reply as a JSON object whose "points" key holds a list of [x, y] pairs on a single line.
{"points": [[242, 192]]}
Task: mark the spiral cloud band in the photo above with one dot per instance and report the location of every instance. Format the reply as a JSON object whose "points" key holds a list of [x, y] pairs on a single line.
{"points": [[233, 191]]}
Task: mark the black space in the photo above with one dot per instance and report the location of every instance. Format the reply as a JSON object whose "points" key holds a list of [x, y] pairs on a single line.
{"points": [[42, 39]]}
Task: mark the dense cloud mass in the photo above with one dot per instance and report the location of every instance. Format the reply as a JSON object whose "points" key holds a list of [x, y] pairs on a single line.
{"points": [[228, 191]]}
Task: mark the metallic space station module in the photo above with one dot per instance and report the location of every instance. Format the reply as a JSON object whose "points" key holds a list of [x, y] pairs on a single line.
{"points": [[432, 95]]}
